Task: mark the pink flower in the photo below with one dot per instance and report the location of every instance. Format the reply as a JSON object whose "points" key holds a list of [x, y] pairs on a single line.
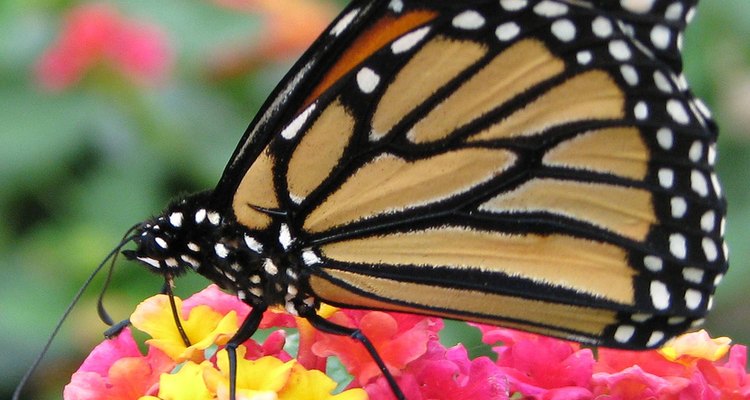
{"points": [[539, 366], [116, 370], [96, 35], [399, 338]]}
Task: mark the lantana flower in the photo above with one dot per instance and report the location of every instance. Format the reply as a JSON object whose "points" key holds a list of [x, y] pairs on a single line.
{"points": [[528, 366], [96, 35]]}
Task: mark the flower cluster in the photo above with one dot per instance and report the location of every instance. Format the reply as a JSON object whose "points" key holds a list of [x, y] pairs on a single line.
{"points": [[693, 366], [96, 36]]}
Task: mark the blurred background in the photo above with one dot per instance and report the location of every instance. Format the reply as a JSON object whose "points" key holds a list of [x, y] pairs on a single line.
{"points": [[109, 109]]}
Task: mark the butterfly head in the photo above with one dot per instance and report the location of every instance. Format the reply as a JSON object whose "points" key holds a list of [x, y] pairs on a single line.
{"points": [[172, 243]]}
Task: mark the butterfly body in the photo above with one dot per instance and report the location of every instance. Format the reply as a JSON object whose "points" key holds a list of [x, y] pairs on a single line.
{"points": [[540, 165]]}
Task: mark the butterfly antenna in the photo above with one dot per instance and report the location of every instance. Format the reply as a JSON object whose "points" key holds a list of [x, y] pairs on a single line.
{"points": [[56, 330], [103, 314]]}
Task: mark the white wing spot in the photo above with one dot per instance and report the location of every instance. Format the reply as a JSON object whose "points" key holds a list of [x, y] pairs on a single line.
{"points": [[655, 338], [709, 249], [678, 245], [711, 154], [693, 299], [619, 50], [678, 112], [708, 221], [653, 263], [717, 279], [696, 151], [507, 31], [661, 36], [679, 207], [564, 30], [367, 80], [637, 6], [659, 295], [550, 9], [629, 74], [676, 320], [171, 262], [666, 177], [674, 11], [194, 247], [601, 27], [641, 110], [692, 274], [396, 5], [624, 333], [344, 22], [584, 57], [513, 5], [640, 317], [662, 83], [698, 183], [291, 130], [469, 20], [665, 138], [408, 41]]}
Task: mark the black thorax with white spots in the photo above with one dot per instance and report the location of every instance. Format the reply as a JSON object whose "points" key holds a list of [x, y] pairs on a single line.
{"points": [[191, 236]]}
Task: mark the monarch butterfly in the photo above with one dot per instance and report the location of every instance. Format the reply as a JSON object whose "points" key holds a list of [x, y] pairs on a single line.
{"points": [[539, 165]]}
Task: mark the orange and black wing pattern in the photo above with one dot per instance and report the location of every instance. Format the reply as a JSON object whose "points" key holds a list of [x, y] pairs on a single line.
{"points": [[540, 165]]}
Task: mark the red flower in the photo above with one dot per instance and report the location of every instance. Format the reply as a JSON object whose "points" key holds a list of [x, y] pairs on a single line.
{"points": [[399, 338], [116, 370], [97, 35]]}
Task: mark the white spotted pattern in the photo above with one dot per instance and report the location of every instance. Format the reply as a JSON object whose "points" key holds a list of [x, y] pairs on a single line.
{"points": [[624, 333], [620, 50], [665, 138], [708, 221], [709, 249], [367, 80], [200, 216], [293, 128], [637, 6], [629, 74], [696, 151], [507, 31], [653, 263], [285, 236], [655, 338], [698, 183], [253, 244], [513, 5], [693, 275], [310, 258], [221, 250], [677, 111], [602, 27], [468, 20], [396, 5], [693, 299], [660, 37], [176, 219], [659, 295], [564, 30], [344, 22], [213, 217], [678, 245], [666, 177], [674, 11], [408, 41], [270, 267], [584, 57], [550, 9], [662, 83], [161, 242], [679, 207], [641, 110]]}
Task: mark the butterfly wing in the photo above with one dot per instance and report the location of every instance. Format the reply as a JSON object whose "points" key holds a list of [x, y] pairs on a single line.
{"points": [[539, 165]]}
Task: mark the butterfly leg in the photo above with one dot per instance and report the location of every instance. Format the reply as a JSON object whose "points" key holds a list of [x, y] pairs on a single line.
{"points": [[324, 325], [248, 328]]}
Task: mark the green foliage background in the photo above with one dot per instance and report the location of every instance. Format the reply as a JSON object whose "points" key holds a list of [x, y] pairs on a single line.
{"points": [[80, 167]]}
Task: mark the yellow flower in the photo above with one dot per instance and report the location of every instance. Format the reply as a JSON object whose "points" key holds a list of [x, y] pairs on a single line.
{"points": [[204, 327], [695, 345]]}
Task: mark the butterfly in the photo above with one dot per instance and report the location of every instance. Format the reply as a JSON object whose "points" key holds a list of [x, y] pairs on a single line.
{"points": [[539, 165]]}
